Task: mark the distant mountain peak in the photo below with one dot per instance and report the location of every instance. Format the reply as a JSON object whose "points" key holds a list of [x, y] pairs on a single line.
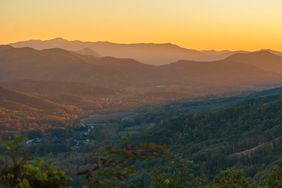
{"points": [[58, 39], [264, 53]]}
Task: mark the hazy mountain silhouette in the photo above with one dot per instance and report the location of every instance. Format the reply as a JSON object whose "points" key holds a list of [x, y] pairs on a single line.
{"points": [[63, 66], [149, 53]]}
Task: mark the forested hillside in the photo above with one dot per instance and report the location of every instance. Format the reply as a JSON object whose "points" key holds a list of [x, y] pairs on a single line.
{"points": [[246, 134]]}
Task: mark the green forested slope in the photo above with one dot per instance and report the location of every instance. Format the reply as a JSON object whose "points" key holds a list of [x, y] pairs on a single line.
{"points": [[246, 134]]}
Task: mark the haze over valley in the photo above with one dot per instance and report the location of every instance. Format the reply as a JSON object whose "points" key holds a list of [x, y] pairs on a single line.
{"points": [[59, 71]]}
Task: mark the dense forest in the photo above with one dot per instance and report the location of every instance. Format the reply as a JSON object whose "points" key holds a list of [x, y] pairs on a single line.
{"points": [[227, 142]]}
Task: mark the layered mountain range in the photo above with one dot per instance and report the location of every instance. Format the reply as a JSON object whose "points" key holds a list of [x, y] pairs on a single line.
{"points": [[148, 53], [65, 66], [73, 77]]}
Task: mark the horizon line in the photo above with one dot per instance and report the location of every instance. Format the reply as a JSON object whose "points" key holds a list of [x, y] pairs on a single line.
{"points": [[135, 43]]}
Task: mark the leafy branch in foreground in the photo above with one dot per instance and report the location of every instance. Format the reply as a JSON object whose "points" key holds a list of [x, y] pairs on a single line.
{"points": [[112, 167], [18, 171]]}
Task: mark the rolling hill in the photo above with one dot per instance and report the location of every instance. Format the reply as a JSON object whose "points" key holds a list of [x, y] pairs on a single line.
{"points": [[12, 100], [265, 59], [83, 96], [23, 111]]}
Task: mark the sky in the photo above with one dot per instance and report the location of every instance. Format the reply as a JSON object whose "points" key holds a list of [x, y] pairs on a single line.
{"points": [[196, 24]]}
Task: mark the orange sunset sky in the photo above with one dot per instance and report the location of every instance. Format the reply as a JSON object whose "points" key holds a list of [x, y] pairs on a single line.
{"points": [[198, 24]]}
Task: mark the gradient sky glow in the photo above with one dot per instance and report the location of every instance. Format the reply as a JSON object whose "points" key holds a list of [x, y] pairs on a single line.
{"points": [[199, 24]]}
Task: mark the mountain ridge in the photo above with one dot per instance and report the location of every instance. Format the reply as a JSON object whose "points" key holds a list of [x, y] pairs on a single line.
{"points": [[62, 65], [148, 53]]}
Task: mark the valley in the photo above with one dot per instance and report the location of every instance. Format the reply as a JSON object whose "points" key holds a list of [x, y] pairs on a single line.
{"points": [[196, 130]]}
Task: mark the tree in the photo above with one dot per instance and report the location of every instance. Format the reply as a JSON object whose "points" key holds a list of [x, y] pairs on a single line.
{"points": [[273, 178], [231, 178], [113, 167], [18, 171]]}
